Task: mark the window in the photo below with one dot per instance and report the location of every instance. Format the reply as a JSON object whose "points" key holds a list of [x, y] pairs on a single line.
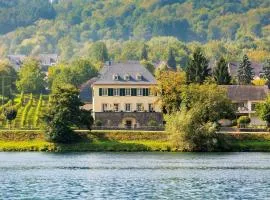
{"points": [[139, 77], [128, 107], [104, 107], [139, 107], [115, 92], [140, 91], [115, 77], [103, 91], [116, 107], [128, 91], [150, 107], [127, 77]]}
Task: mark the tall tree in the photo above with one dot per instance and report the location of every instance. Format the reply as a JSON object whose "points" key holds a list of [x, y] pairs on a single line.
{"points": [[171, 59], [266, 71], [144, 53], [64, 114], [31, 78], [197, 69], [8, 77], [245, 73], [221, 73], [99, 52]]}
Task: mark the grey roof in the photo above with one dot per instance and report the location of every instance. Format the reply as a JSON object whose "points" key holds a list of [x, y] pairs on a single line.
{"points": [[233, 67], [247, 92], [121, 69], [86, 94], [16, 60], [48, 59]]}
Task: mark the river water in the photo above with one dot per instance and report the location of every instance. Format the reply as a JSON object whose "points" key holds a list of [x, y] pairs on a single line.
{"points": [[135, 176]]}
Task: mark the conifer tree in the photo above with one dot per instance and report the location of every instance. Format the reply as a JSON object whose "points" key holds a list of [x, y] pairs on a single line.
{"points": [[197, 69], [144, 53], [245, 73], [221, 73], [171, 59], [266, 71]]}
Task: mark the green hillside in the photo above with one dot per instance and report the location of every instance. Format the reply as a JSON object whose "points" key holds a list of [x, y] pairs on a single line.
{"points": [[69, 27], [29, 109]]}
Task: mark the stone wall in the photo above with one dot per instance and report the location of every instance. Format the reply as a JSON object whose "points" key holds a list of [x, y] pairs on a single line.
{"points": [[138, 119]]}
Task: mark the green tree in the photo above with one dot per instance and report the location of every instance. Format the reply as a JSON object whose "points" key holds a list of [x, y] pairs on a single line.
{"points": [[245, 73], [149, 66], [171, 59], [65, 114], [266, 71], [31, 78], [197, 69], [221, 73], [99, 52], [263, 110], [8, 78], [10, 114], [144, 53], [194, 127], [169, 89]]}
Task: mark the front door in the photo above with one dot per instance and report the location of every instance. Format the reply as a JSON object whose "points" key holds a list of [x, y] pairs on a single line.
{"points": [[128, 124]]}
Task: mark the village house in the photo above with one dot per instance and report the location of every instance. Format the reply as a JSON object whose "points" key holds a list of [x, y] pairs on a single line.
{"points": [[46, 60], [245, 98], [123, 97]]}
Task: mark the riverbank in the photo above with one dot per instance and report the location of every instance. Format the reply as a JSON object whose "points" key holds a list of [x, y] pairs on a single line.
{"points": [[131, 141]]}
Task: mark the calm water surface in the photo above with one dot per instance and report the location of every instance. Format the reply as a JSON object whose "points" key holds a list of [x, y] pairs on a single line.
{"points": [[134, 176]]}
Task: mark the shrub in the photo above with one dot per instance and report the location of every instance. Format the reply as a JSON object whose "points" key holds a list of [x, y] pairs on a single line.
{"points": [[98, 123], [152, 123], [243, 121]]}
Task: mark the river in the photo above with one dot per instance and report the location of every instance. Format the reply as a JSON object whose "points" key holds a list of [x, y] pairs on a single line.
{"points": [[135, 176]]}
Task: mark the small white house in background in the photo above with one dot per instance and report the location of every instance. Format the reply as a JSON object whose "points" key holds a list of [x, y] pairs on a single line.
{"points": [[46, 60], [245, 98]]}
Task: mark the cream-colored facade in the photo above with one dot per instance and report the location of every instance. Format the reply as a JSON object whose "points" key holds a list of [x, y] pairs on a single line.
{"points": [[117, 102]]}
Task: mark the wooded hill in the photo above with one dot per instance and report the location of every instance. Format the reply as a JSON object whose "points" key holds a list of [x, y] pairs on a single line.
{"points": [[69, 27]]}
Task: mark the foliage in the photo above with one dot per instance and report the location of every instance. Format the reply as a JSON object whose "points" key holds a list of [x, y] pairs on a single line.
{"points": [[245, 72], [60, 118], [25, 111], [152, 123], [259, 82], [149, 66], [8, 78], [99, 52], [243, 121], [169, 89], [225, 28], [171, 60], [22, 13], [266, 71], [98, 123], [263, 110], [144, 53], [221, 73], [197, 69], [10, 114], [31, 78], [38, 112], [75, 73]]}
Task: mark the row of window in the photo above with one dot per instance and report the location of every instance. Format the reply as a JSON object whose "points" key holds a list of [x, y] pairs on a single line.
{"points": [[125, 92], [128, 107]]}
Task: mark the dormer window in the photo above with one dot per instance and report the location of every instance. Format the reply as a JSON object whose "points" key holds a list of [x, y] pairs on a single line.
{"points": [[139, 77], [127, 77], [115, 77]]}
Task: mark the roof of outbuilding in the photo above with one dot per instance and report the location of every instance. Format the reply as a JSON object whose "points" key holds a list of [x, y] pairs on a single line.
{"points": [[121, 69], [247, 92]]}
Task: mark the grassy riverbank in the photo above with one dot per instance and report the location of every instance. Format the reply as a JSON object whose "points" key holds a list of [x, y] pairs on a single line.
{"points": [[94, 141], [131, 141]]}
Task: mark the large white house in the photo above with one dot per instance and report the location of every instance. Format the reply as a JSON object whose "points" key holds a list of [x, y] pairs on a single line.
{"points": [[123, 96]]}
